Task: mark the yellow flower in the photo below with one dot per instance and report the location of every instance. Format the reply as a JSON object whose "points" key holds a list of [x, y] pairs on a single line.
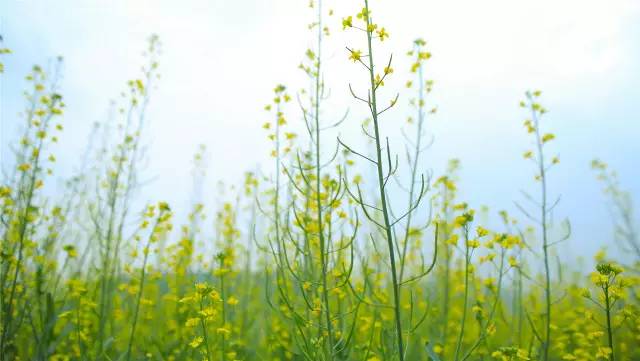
{"points": [[584, 292], [529, 125], [481, 232], [453, 240], [548, 137], [71, 251], [382, 34], [491, 329], [24, 167], [603, 352], [196, 341], [203, 288], [355, 55], [192, 322], [306, 286], [424, 55], [460, 206], [489, 282], [364, 14], [347, 22], [232, 301]]}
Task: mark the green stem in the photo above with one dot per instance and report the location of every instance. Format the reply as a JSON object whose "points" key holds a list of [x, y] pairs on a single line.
{"points": [[545, 242], [381, 188], [24, 222], [318, 190], [466, 294], [608, 311], [223, 355], [139, 296], [414, 170], [204, 332]]}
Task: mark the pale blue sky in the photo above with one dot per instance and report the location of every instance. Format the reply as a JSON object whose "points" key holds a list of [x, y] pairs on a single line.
{"points": [[222, 58]]}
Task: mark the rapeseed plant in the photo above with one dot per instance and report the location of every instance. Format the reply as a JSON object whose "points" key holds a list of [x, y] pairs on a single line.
{"points": [[307, 262], [24, 212], [543, 164], [383, 156]]}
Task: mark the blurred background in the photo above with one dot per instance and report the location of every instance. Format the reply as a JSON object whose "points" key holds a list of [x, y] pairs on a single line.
{"points": [[221, 60]]}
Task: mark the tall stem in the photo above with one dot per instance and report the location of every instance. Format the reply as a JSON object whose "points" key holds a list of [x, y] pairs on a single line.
{"points": [[381, 188], [323, 251], [466, 294], [414, 172], [142, 279], [545, 242], [22, 233], [137, 309], [447, 269]]}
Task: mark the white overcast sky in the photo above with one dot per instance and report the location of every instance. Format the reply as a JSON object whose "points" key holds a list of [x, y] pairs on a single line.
{"points": [[221, 59]]}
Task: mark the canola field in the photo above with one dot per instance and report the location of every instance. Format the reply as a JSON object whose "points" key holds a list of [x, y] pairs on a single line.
{"points": [[332, 251]]}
